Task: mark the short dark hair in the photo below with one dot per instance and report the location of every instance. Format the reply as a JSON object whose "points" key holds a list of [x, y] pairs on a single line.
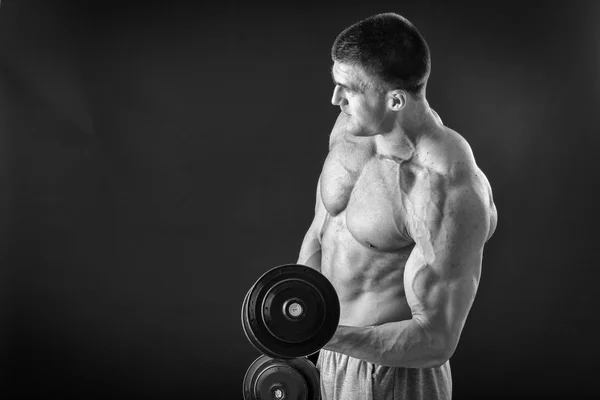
{"points": [[389, 49]]}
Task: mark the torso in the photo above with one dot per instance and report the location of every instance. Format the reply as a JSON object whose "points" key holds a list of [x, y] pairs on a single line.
{"points": [[364, 240]]}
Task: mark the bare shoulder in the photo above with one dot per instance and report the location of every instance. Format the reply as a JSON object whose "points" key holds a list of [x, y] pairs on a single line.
{"points": [[338, 130], [339, 133], [350, 148], [452, 176], [450, 156]]}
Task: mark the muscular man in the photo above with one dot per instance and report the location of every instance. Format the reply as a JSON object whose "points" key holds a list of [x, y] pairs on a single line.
{"points": [[402, 215]]}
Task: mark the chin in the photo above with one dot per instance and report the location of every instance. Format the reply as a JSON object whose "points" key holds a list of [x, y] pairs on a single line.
{"points": [[356, 130], [352, 128]]}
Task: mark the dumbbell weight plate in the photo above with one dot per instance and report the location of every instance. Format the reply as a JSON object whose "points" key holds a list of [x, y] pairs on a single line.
{"points": [[277, 379], [291, 311]]}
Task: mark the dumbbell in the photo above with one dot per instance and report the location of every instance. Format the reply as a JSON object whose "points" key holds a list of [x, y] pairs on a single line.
{"points": [[291, 312], [279, 379]]}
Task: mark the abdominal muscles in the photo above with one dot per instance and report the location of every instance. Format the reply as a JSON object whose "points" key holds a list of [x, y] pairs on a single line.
{"points": [[368, 281]]}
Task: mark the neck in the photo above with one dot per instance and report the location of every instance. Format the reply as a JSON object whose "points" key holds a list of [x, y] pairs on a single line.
{"points": [[401, 141]]}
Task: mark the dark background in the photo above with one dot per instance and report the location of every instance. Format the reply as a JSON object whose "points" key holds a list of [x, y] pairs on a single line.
{"points": [[157, 157]]}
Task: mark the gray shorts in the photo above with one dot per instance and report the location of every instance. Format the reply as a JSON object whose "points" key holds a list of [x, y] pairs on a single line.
{"points": [[347, 378]]}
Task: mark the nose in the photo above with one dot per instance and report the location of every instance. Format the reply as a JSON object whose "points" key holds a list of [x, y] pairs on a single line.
{"points": [[338, 98]]}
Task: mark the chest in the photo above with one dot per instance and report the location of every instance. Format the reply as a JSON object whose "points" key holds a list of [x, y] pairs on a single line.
{"points": [[368, 192]]}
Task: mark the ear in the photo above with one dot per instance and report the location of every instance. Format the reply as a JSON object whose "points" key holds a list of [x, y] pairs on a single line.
{"points": [[397, 99]]}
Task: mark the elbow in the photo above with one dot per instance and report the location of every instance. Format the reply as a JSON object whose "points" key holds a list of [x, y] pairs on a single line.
{"points": [[437, 358], [441, 357], [442, 347], [448, 345]]}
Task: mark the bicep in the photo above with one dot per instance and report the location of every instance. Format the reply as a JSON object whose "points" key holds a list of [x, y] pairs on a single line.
{"points": [[442, 273], [310, 251]]}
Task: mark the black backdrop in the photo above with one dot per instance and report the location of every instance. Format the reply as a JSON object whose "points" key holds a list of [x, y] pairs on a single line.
{"points": [[157, 157]]}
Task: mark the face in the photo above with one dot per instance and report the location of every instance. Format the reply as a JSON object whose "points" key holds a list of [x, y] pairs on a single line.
{"points": [[365, 107]]}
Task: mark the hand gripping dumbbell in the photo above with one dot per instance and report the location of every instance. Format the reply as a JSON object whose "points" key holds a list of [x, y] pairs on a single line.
{"points": [[291, 312]]}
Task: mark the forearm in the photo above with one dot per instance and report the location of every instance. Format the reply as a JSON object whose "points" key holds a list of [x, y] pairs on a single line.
{"points": [[395, 344], [310, 252]]}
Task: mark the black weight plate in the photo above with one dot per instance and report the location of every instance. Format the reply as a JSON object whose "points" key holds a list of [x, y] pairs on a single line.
{"points": [[310, 374], [308, 304], [246, 324], [245, 315], [291, 311], [269, 378]]}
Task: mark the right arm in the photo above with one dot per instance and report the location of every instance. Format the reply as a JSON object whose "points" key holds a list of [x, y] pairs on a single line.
{"points": [[310, 251]]}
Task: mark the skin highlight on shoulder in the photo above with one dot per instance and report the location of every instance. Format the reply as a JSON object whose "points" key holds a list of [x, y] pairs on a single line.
{"points": [[448, 154]]}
